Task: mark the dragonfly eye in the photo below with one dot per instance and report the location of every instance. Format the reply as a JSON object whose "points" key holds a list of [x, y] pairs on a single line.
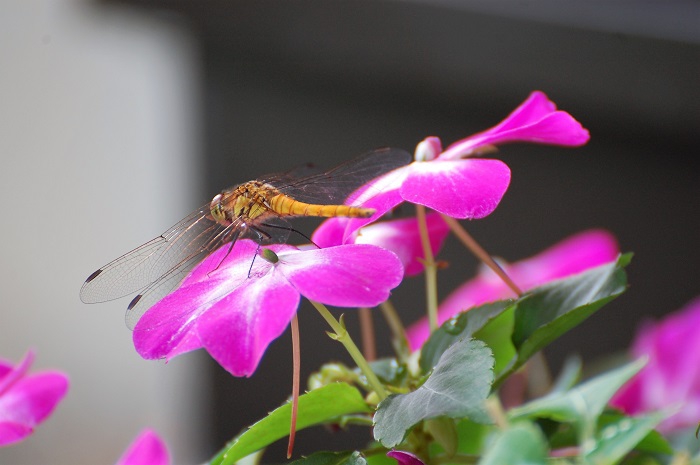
{"points": [[217, 211]]}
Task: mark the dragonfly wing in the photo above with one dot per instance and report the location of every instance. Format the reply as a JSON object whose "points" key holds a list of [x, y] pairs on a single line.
{"points": [[166, 283], [335, 185], [148, 263]]}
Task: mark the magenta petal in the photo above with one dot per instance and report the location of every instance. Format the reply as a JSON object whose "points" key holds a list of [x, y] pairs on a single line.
{"points": [[9, 373], [403, 238], [28, 402], [147, 449], [535, 120], [670, 378], [404, 458], [382, 203], [168, 328], [237, 329], [462, 189], [224, 257], [353, 275], [330, 233]]}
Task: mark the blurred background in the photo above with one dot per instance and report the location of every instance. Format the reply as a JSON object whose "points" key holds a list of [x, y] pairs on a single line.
{"points": [[117, 118]]}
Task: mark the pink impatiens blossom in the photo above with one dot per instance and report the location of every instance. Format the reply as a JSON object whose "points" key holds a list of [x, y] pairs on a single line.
{"points": [[573, 255], [27, 400], [147, 449], [234, 310], [458, 183], [671, 378], [400, 236]]}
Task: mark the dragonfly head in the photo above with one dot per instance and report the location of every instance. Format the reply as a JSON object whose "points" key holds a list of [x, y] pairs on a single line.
{"points": [[217, 210]]}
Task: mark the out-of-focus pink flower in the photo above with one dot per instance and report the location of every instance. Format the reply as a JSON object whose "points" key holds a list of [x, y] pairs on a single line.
{"points": [[456, 185], [573, 255], [405, 458], [27, 400], [236, 310], [400, 236], [147, 449], [671, 378]]}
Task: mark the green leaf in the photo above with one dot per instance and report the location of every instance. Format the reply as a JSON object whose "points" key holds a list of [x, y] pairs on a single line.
{"points": [[457, 388], [616, 439], [522, 444], [653, 442], [332, 458], [318, 406], [470, 438], [581, 405], [462, 326], [553, 309]]}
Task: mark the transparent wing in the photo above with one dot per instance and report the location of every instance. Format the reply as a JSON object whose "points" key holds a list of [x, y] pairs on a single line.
{"points": [[166, 283], [335, 185], [169, 255]]}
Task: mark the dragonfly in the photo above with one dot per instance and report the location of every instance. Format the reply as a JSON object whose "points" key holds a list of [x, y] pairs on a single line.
{"points": [[256, 210]]}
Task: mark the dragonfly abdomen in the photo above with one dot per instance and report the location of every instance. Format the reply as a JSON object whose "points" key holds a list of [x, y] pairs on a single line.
{"points": [[284, 205]]}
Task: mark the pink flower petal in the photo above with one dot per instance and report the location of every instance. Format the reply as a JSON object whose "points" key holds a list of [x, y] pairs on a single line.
{"points": [[535, 120], [11, 373], [573, 255], [331, 232], [670, 379], [403, 238], [461, 189], [28, 402], [353, 275], [169, 328], [147, 449], [404, 458], [382, 203], [237, 330]]}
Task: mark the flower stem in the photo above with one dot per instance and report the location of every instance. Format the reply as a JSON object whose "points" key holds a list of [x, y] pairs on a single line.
{"points": [[342, 336], [296, 357], [369, 348], [480, 253], [399, 339], [430, 269]]}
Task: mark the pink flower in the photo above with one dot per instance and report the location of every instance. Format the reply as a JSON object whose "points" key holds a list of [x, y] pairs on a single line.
{"points": [[146, 449], [27, 400], [573, 255], [236, 310], [400, 236], [461, 187], [671, 378]]}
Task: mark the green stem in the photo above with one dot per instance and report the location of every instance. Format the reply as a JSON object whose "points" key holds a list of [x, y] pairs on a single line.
{"points": [[342, 336], [457, 458], [399, 340], [430, 269]]}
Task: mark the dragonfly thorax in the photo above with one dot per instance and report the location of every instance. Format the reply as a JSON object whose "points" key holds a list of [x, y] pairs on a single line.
{"points": [[246, 202]]}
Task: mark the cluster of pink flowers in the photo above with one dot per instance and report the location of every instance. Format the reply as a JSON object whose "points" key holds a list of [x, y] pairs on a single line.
{"points": [[237, 311]]}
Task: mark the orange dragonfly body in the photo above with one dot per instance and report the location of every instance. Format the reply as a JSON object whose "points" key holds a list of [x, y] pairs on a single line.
{"points": [[256, 210]]}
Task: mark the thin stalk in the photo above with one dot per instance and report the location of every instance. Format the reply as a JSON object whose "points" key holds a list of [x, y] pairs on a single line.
{"points": [[480, 253], [495, 411], [341, 335], [399, 339], [296, 362], [369, 348], [430, 269]]}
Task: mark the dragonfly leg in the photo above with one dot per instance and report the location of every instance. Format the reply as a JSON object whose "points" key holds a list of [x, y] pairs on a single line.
{"points": [[290, 229]]}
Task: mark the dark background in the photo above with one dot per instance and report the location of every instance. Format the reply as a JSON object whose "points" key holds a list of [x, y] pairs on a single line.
{"points": [[323, 81]]}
